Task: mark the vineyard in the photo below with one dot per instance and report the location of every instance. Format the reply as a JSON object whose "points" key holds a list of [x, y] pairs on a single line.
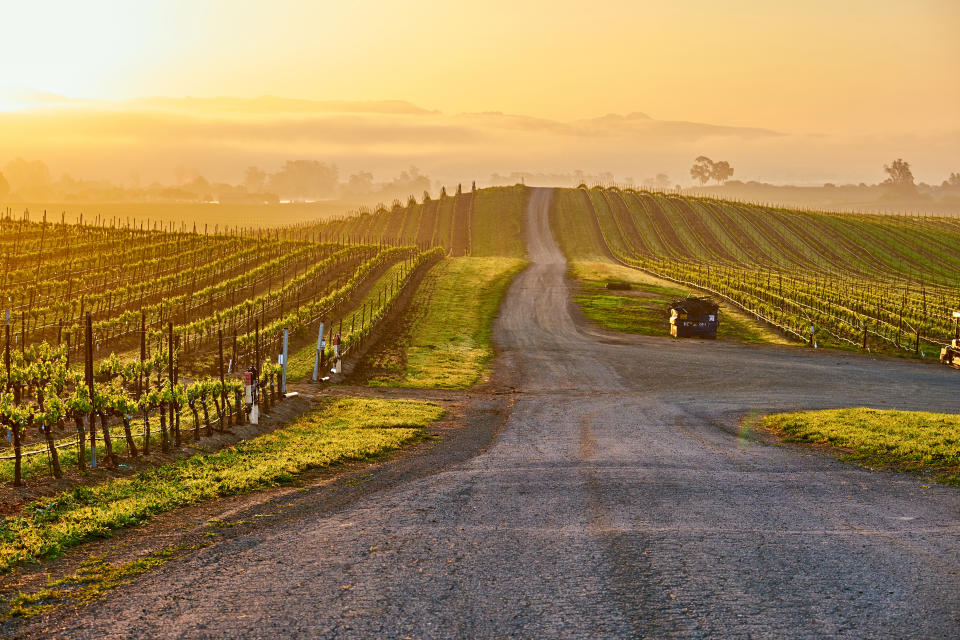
{"points": [[849, 280], [169, 317], [125, 339], [480, 222]]}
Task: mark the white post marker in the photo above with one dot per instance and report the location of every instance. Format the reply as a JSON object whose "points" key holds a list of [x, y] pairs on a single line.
{"points": [[250, 395], [283, 365], [320, 348]]}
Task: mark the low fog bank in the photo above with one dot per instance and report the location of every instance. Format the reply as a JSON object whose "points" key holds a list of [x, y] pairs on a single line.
{"points": [[271, 151], [296, 181]]}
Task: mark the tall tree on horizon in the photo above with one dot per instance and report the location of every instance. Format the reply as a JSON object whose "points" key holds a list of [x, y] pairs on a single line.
{"points": [[702, 169], [721, 171], [899, 172]]}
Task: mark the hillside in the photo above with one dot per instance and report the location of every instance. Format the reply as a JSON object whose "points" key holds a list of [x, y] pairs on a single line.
{"points": [[485, 222], [859, 280]]}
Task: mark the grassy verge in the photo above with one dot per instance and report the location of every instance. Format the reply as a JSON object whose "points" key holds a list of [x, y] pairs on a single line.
{"points": [[89, 583], [337, 431], [447, 345], [644, 308], [902, 440]]}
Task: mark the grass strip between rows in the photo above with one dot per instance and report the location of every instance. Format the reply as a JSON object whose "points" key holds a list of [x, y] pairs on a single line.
{"points": [[449, 344], [906, 440], [337, 431]]}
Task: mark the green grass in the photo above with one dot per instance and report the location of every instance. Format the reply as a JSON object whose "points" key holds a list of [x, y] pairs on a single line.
{"points": [[907, 440], [448, 344], [89, 583], [498, 222], [644, 309], [338, 431]]}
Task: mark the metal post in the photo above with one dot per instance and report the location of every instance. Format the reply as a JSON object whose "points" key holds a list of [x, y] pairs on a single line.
{"points": [[316, 361], [143, 350], [170, 376], [283, 367], [223, 384]]}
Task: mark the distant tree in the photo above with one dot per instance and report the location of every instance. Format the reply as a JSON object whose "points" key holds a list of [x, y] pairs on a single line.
{"points": [[952, 181], [255, 180], [473, 186], [4, 186], [702, 169], [900, 174], [443, 192], [660, 181], [459, 188], [426, 196], [407, 181], [183, 175], [360, 183], [26, 176], [721, 171], [305, 179], [200, 188]]}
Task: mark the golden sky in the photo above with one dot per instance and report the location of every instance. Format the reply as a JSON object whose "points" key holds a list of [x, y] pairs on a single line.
{"points": [[870, 69], [800, 66]]}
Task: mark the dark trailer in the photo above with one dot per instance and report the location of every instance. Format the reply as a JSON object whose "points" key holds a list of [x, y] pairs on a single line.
{"points": [[694, 317]]}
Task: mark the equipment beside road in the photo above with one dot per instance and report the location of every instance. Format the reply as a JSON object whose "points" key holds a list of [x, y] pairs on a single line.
{"points": [[694, 317]]}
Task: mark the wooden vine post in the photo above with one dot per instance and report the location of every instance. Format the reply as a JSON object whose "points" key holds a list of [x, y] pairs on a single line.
{"points": [[223, 385], [171, 376], [88, 377]]}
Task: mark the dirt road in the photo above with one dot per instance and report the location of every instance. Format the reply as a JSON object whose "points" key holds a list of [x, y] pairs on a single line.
{"points": [[618, 501]]}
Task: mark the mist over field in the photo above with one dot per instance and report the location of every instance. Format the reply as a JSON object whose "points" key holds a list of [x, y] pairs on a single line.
{"points": [[152, 139], [348, 154]]}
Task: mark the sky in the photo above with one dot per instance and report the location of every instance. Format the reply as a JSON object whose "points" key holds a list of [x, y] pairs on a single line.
{"points": [[851, 78]]}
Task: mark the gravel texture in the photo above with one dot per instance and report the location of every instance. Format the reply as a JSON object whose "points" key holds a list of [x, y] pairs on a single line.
{"points": [[619, 500]]}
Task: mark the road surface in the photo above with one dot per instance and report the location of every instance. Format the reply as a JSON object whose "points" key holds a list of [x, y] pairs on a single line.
{"points": [[619, 500]]}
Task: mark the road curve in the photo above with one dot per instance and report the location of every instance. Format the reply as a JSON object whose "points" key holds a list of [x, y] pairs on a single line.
{"points": [[618, 501]]}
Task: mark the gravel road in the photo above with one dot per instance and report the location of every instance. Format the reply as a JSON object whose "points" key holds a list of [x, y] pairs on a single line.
{"points": [[619, 500]]}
